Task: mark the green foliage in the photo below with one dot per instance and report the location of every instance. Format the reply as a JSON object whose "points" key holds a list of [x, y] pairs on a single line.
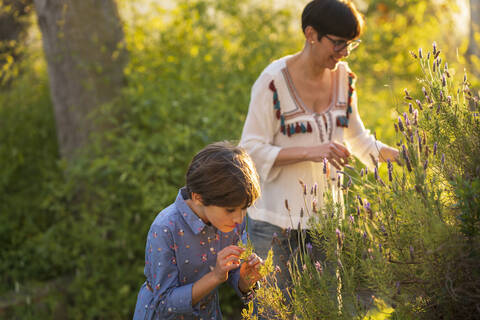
{"points": [[188, 84], [411, 238]]}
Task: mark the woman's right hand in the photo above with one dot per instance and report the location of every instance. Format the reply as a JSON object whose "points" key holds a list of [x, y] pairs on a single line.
{"points": [[337, 154]]}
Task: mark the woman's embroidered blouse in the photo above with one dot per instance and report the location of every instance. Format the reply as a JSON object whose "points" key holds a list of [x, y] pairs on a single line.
{"points": [[277, 118]]}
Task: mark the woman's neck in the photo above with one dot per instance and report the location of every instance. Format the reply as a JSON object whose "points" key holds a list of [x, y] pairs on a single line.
{"points": [[303, 64]]}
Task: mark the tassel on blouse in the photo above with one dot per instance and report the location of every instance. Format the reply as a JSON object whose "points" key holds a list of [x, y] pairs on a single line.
{"points": [[290, 129], [342, 121]]}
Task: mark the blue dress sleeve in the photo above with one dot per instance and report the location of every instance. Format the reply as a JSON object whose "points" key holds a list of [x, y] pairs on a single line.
{"points": [[169, 296]]}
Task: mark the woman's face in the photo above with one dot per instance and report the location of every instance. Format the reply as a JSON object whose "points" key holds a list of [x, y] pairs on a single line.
{"points": [[328, 50], [330, 42]]}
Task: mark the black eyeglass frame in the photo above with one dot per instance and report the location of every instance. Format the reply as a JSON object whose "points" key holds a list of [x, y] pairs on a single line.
{"points": [[339, 45]]}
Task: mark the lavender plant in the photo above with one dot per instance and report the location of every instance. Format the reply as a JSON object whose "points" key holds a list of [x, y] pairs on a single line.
{"points": [[409, 236]]}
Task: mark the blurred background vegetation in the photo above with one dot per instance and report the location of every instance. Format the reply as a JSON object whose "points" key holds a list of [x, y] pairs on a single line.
{"points": [[74, 217]]}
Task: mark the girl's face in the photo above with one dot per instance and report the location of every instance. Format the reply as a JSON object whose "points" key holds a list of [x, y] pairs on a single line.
{"points": [[224, 219]]}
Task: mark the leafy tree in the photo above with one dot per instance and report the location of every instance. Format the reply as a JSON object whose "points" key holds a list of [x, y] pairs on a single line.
{"points": [[14, 23]]}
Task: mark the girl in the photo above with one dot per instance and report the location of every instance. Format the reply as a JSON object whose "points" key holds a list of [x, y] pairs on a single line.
{"points": [[192, 244]]}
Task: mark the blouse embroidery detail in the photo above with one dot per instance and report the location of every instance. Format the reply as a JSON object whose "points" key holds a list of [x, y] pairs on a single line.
{"points": [[331, 126], [337, 102], [320, 131], [289, 129], [299, 107], [342, 121]]}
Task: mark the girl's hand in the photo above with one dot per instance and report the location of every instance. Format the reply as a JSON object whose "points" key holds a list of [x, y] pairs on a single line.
{"points": [[249, 272], [227, 259], [336, 153]]}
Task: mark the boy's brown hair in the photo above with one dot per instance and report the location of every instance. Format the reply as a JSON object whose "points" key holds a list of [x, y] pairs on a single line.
{"points": [[223, 175]]}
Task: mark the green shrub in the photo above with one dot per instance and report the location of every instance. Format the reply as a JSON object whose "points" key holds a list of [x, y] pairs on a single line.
{"points": [[411, 237], [188, 84]]}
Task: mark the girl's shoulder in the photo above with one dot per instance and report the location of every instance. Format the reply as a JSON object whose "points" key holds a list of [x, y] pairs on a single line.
{"points": [[166, 218]]}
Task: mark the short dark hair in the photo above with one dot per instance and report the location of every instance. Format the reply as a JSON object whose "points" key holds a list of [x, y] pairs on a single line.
{"points": [[223, 175], [337, 17]]}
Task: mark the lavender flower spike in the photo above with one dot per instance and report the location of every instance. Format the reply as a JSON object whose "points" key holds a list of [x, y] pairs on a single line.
{"points": [[400, 124], [309, 248], [360, 200], [351, 219], [425, 165], [443, 158], [420, 55], [367, 206], [435, 149], [410, 108], [339, 237], [419, 104], [390, 170]]}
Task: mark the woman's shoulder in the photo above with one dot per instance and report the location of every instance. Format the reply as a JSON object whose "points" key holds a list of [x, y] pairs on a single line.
{"points": [[271, 71], [276, 65], [342, 66]]}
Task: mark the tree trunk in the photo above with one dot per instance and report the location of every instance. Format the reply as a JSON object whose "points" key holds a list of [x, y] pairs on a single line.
{"points": [[83, 44], [473, 46]]}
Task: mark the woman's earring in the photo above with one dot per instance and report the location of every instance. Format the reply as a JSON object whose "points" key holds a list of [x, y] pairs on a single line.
{"points": [[312, 42]]}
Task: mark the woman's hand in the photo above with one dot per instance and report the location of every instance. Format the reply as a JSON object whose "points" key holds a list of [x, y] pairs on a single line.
{"points": [[249, 272], [336, 153], [388, 153], [227, 259]]}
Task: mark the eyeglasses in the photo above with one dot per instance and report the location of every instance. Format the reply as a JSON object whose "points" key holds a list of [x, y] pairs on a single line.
{"points": [[339, 45]]}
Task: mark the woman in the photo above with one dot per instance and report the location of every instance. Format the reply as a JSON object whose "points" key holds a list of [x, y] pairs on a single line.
{"points": [[303, 110]]}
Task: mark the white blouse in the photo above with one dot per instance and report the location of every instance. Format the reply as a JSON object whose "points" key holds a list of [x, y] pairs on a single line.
{"points": [[277, 118]]}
